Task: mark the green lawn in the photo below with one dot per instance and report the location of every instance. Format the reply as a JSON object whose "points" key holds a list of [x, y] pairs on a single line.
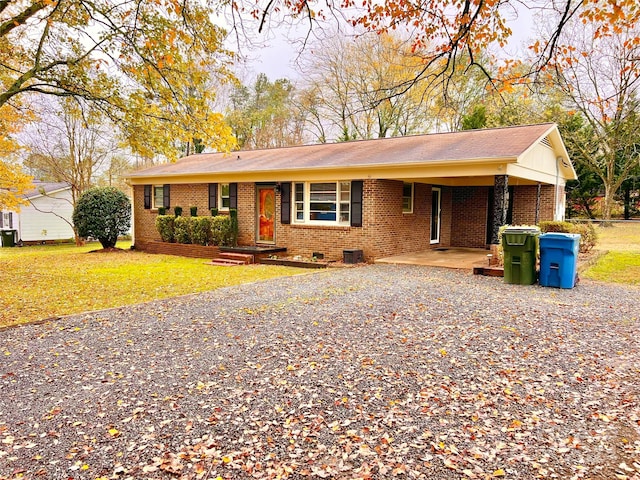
{"points": [[621, 263], [44, 281]]}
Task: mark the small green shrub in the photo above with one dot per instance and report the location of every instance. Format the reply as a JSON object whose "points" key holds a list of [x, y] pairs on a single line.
{"points": [[556, 226], [103, 213], [165, 227], [233, 214], [194, 211], [162, 211], [201, 233], [588, 234], [214, 212], [183, 227], [177, 210], [221, 230]]}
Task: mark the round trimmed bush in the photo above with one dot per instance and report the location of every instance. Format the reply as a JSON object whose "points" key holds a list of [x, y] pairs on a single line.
{"points": [[103, 213]]}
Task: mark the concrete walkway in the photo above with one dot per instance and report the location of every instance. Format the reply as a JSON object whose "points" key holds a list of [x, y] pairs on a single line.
{"points": [[454, 257]]}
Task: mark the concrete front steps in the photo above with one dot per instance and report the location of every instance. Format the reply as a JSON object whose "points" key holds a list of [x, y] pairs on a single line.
{"points": [[231, 259]]}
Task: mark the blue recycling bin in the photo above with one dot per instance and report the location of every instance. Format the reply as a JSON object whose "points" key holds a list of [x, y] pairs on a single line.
{"points": [[559, 259]]}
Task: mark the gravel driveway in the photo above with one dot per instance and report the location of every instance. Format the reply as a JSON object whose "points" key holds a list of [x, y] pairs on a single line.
{"points": [[375, 372]]}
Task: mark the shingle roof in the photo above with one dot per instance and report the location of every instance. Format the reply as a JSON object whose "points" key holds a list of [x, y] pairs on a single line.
{"points": [[469, 145], [47, 187]]}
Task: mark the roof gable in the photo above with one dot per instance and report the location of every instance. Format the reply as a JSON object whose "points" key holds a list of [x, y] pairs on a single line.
{"points": [[45, 188]]}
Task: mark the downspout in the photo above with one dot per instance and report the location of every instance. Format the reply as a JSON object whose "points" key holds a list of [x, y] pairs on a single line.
{"points": [[538, 203], [559, 204]]}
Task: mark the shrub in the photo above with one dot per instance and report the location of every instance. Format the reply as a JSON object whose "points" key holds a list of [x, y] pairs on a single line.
{"points": [[103, 213], [162, 211], [233, 214], [214, 212], [588, 234], [183, 227], [177, 210], [165, 227], [201, 233], [221, 230], [194, 211], [556, 226]]}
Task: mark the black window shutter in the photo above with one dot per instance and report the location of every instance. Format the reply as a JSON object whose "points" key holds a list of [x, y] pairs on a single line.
{"points": [[147, 197], [166, 202], [233, 196], [10, 219], [356, 203], [285, 203], [213, 195]]}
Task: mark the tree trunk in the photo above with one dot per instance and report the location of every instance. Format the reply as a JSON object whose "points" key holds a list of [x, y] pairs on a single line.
{"points": [[627, 201], [607, 205], [78, 239]]}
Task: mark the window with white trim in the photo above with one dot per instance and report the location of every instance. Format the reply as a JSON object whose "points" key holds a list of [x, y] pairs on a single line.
{"points": [[225, 199], [298, 202], [407, 198], [158, 196], [322, 203]]}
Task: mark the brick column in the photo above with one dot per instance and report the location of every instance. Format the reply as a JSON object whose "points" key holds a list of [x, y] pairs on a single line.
{"points": [[500, 205]]}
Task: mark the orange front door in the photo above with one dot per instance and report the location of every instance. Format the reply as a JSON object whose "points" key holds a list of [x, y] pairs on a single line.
{"points": [[266, 214]]}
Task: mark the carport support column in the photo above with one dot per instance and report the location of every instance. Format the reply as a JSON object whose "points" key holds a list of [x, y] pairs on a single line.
{"points": [[500, 205]]}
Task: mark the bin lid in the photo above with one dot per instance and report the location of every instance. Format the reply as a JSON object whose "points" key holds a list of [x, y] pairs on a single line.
{"points": [[528, 230], [561, 236]]}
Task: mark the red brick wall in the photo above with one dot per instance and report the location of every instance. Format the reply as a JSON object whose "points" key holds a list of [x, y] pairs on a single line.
{"points": [[386, 230], [185, 196], [469, 217], [524, 203], [144, 221], [180, 249], [247, 213], [191, 195]]}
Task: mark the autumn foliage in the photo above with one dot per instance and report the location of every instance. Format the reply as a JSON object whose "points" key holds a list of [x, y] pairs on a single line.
{"points": [[13, 181]]}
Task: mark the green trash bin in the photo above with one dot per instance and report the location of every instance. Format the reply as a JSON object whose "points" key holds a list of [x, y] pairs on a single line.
{"points": [[8, 238], [520, 246]]}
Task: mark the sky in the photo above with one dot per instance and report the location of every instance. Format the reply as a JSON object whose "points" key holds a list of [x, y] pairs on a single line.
{"points": [[276, 57]]}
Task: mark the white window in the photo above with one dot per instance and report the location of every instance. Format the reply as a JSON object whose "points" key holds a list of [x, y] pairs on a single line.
{"points": [[407, 198], [298, 202], [225, 200], [322, 203], [158, 196]]}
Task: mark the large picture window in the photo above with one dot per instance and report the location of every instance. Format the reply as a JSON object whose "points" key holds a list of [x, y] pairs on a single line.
{"points": [[323, 202]]}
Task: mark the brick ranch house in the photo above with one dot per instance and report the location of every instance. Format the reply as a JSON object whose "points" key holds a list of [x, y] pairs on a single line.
{"points": [[385, 196]]}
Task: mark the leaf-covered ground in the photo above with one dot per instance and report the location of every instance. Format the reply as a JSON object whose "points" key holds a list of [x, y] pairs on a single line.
{"points": [[375, 372]]}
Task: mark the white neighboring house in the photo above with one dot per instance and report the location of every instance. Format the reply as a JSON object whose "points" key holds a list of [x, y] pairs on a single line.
{"points": [[45, 217]]}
